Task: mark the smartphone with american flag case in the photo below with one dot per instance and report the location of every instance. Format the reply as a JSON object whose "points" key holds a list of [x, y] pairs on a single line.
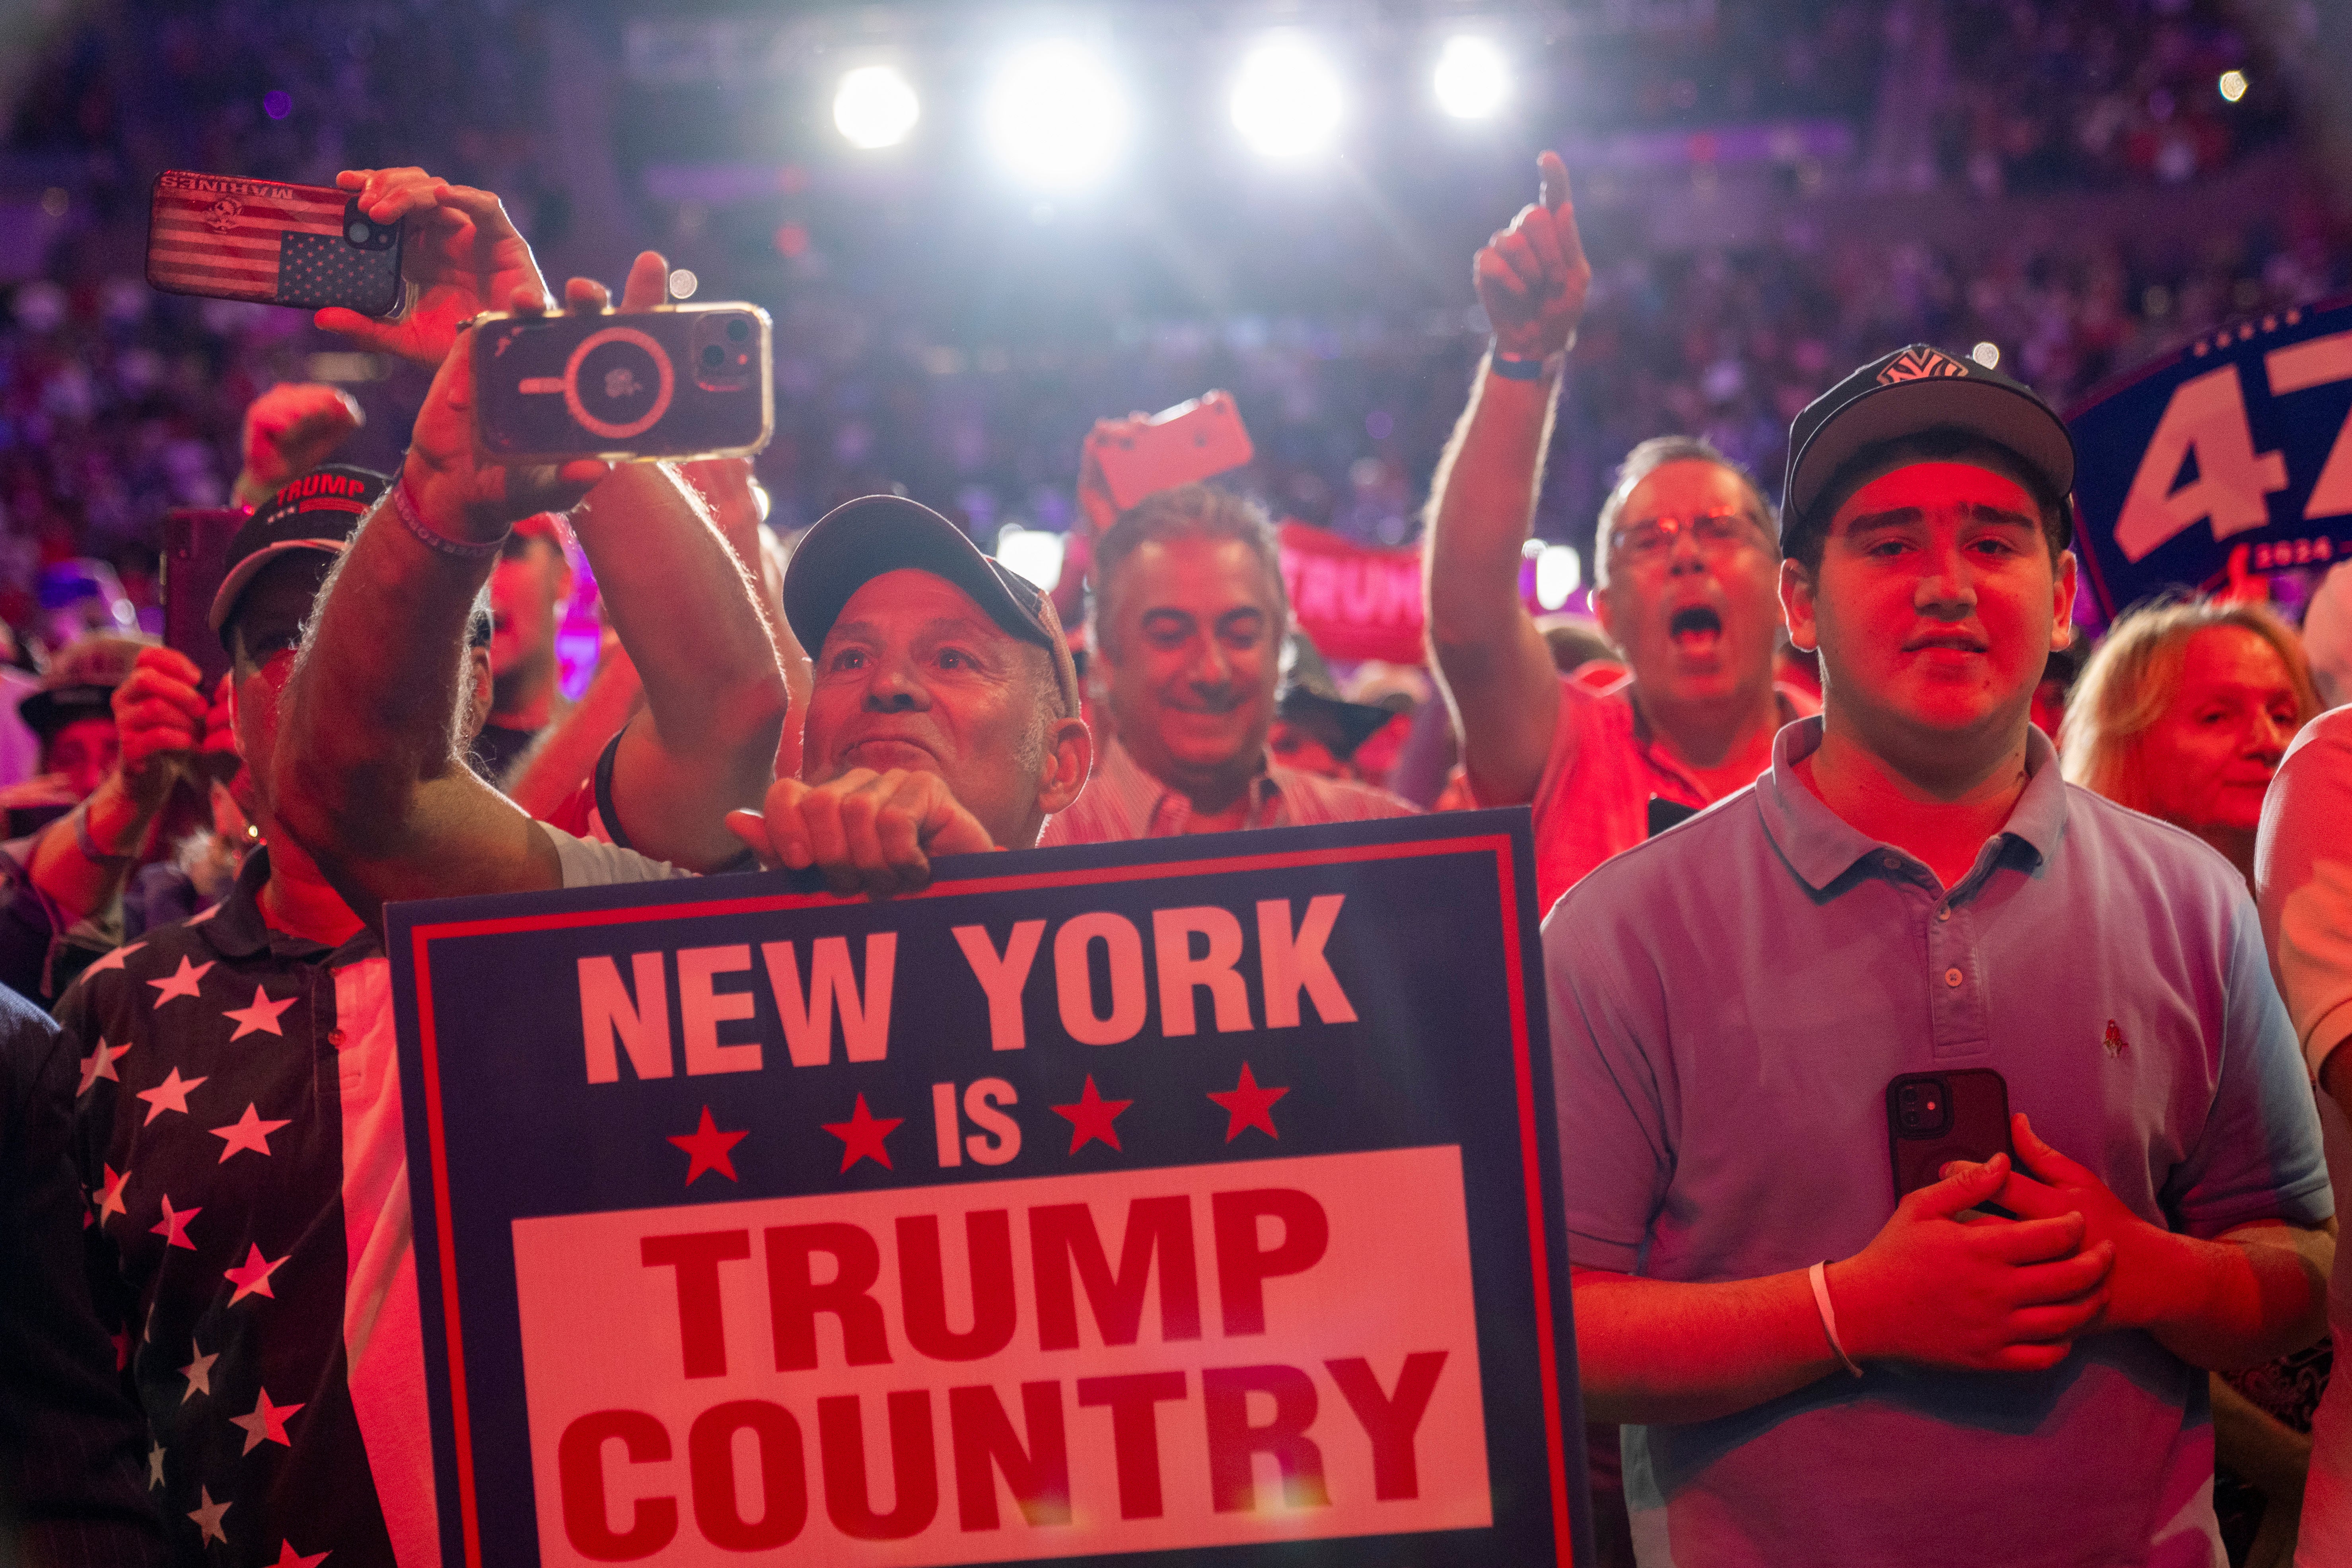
{"points": [[272, 242]]}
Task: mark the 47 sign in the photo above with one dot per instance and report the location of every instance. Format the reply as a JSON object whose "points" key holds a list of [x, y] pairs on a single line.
{"points": [[2242, 438]]}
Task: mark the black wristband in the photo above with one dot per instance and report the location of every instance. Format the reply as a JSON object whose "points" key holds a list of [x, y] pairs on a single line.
{"points": [[1518, 367]]}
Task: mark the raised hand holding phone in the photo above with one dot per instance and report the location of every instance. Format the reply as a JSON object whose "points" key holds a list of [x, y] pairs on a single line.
{"points": [[464, 255], [448, 478]]}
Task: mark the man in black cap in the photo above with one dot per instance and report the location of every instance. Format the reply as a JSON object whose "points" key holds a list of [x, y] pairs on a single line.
{"points": [[944, 715], [1909, 913], [202, 1134]]}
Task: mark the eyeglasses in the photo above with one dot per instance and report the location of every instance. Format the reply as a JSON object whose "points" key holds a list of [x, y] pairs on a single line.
{"points": [[1716, 533]]}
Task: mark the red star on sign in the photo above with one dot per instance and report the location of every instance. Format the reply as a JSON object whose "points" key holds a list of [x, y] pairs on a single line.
{"points": [[1091, 1117], [861, 1136], [1246, 1105], [706, 1148]]}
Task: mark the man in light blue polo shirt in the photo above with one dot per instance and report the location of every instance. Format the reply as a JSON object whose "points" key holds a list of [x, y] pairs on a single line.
{"points": [[1913, 888]]}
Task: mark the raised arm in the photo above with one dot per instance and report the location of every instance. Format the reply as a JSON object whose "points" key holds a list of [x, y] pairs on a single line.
{"points": [[1492, 662], [688, 614], [367, 773]]}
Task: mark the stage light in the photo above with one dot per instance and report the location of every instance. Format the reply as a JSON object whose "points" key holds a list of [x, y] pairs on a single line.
{"points": [[1285, 102], [1034, 552], [683, 283], [1987, 355], [1559, 572], [2234, 85], [875, 107], [1473, 79], [1056, 115]]}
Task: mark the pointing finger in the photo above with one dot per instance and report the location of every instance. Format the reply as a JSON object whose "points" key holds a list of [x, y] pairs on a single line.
{"points": [[1552, 181]]}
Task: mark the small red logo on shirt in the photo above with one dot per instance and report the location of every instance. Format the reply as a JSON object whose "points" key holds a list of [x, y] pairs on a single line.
{"points": [[2115, 1042]]}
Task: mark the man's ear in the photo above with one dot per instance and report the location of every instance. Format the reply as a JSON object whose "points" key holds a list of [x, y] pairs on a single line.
{"points": [[477, 710], [1797, 605], [2061, 605], [1604, 612], [1069, 758]]}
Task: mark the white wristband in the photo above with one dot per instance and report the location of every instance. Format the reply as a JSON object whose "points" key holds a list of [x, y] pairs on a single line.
{"points": [[1819, 1275]]}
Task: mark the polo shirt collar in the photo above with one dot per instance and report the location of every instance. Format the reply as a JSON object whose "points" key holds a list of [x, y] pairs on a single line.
{"points": [[1131, 781], [1820, 845]]}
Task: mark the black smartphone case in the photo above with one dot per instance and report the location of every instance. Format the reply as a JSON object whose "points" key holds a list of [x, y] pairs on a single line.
{"points": [[195, 560], [617, 386], [1978, 1129], [271, 243]]}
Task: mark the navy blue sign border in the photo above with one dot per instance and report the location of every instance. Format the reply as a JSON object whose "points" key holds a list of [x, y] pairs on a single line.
{"points": [[1501, 836]]}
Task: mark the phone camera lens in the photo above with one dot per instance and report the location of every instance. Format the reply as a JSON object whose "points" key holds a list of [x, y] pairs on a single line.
{"points": [[737, 329], [713, 355], [358, 233]]}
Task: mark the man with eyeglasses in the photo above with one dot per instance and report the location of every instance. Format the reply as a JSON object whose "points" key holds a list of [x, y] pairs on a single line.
{"points": [[1686, 564]]}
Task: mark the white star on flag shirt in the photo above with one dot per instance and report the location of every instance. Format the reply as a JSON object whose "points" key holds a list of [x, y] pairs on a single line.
{"points": [[266, 1424], [113, 960], [172, 1094], [199, 1372], [248, 1131], [251, 1278], [259, 1018], [208, 1518], [181, 982], [100, 1064]]}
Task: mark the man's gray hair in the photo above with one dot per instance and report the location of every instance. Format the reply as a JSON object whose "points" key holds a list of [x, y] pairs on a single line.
{"points": [[1655, 454], [1188, 511]]}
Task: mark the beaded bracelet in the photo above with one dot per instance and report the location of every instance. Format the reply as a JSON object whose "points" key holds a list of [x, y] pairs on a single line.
{"points": [[405, 505]]}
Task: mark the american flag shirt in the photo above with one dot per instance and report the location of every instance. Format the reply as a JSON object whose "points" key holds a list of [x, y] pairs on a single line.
{"points": [[239, 1135]]}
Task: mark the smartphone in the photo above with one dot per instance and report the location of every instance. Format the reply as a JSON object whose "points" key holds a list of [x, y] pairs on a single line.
{"points": [[689, 381], [1934, 1117], [1665, 814], [195, 558], [271, 243], [1178, 446]]}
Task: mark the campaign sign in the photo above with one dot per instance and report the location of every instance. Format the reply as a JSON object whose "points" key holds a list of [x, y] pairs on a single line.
{"points": [[1193, 1200], [2242, 438]]}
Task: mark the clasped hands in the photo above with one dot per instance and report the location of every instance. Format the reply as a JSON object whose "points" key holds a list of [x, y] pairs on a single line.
{"points": [[1945, 1287]]}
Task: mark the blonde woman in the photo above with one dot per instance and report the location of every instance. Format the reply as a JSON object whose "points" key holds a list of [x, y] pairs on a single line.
{"points": [[2183, 712]]}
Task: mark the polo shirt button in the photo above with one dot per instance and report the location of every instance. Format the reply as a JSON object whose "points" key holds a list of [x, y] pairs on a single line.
{"points": [[1944, 913], [1951, 977], [1892, 862], [335, 1039]]}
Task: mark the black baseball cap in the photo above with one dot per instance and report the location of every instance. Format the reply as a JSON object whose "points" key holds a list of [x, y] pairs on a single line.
{"points": [[1911, 392], [860, 540], [319, 511], [81, 682]]}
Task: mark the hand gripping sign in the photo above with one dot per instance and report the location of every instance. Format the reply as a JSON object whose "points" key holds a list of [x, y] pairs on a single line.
{"points": [[2241, 439], [1191, 1195]]}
